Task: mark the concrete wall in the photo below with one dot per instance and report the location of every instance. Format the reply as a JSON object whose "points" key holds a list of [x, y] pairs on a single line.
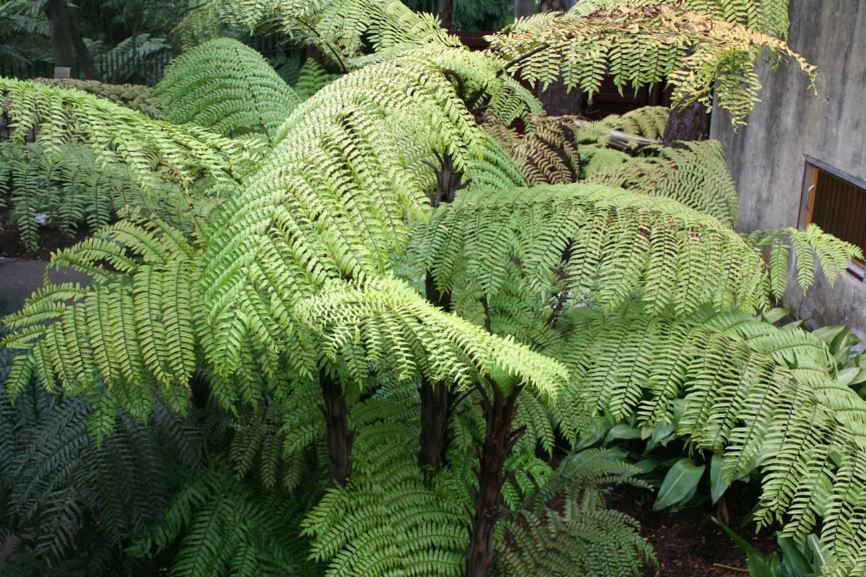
{"points": [[767, 157]]}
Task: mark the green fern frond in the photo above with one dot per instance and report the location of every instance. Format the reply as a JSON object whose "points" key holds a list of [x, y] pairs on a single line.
{"points": [[71, 187], [644, 43], [388, 325], [813, 249], [767, 16], [226, 87], [153, 150], [696, 174], [753, 393], [603, 243], [225, 528]]}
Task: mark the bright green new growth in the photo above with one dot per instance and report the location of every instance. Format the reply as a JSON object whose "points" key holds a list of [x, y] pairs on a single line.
{"points": [[227, 87]]}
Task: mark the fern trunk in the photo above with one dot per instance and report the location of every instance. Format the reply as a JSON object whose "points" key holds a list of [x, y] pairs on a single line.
{"points": [[338, 432], [435, 417], [436, 397], [691, 122], [498, 441]]}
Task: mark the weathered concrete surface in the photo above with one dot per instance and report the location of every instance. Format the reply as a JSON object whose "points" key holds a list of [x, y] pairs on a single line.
{"points": [[768, 157], [19, 278]]}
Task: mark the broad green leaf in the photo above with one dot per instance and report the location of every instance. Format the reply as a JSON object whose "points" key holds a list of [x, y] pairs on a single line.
{"points": [[719, 482], [794, 563], [847, 376], [622, 432], [679, 485], [775, 315]]}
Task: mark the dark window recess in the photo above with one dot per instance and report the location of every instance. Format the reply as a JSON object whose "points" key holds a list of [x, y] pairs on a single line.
{"points": [[837, 204]]}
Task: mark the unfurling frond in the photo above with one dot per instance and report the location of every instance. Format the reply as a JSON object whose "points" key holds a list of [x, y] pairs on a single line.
{"points": [[754, 393], [604, 243], [226, 87], [153, 150], [644, 43]]}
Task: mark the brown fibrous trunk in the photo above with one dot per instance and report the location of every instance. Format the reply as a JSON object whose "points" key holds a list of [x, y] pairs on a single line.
{"points": [[499, 439], [339, 435]]}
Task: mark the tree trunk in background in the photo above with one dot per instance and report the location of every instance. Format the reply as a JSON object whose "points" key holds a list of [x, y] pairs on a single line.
{"points": [[689, 123], [557, 100], [498, 442], [436, 398], [524, 8], [446, 13], [61, 38], [339, 434], [66, 41]]}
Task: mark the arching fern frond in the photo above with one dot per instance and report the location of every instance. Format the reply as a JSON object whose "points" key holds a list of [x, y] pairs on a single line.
{"points": [[71, 188], [227, 528], [332, 201], [135, 96], [643, 43], [767, 16], [59, 484], [584, 537], [135, 331], [389, 326], [153, 150], [753, 393], [227, 87], [603, 243], [813, 250], [696, 174]]}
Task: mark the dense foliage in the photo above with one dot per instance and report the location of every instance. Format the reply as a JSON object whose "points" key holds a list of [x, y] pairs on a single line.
{"points": [[371, 328]]}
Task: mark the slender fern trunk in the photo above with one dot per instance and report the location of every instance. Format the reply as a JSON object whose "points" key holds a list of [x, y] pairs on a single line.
{"points": [[498, 441], [66, 40], [445, 9], [436, 398], [690, 122], [339, 435]]}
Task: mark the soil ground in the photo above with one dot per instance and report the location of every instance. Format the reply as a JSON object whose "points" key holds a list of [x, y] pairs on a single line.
{"points": [[687, 542]]}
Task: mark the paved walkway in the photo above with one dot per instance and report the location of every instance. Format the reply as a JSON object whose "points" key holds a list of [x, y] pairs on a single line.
{"points": [[19, 278]]}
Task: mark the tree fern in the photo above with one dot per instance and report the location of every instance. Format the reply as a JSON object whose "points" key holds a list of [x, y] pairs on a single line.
{"points": [[604, 243], [226, 87], [152, 150], [228, 529], [642, 43], [72, 189]]}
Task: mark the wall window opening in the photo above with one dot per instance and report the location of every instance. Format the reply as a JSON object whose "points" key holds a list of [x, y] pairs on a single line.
{"points": [[837, 203]]}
